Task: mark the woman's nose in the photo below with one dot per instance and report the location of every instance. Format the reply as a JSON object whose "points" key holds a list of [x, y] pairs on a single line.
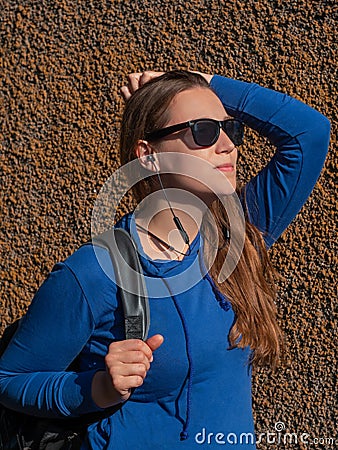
{"points": [[224, 143]]}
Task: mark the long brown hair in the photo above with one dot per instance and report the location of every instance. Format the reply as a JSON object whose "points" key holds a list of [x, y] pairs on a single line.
{"points": [[250, 287]]}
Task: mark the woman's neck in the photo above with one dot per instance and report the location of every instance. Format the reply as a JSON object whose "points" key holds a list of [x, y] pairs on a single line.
{"points": [[155, 215]]}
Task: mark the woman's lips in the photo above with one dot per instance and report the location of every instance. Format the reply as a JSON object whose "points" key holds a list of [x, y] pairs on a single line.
{"points": [[226, 168]]}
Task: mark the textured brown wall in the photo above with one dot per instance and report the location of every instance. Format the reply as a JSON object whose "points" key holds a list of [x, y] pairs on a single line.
{"points": [[62, 63]]}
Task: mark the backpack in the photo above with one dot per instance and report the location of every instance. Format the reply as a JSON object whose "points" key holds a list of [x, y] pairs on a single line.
{"points": [[20, 431]]}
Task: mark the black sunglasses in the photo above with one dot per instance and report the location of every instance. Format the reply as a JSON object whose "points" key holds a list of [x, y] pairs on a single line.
{"points": [[204, 131]]}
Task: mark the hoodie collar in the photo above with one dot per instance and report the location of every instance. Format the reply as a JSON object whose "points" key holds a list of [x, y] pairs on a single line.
{"points": [[163, 268]]}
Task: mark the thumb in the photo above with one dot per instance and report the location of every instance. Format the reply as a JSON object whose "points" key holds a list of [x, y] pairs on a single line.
{"points": [[154, 342]]}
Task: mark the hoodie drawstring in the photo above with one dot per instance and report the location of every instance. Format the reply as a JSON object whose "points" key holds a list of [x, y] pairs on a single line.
{"points": [[225, 305], [223, 302], [184, 433]]}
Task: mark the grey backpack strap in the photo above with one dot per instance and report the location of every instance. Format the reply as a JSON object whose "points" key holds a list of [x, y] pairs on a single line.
{"points": [[130, 280]]}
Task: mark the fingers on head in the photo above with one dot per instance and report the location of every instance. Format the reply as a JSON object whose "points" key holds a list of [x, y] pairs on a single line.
{"points": [[134, 81], [126, 92]]}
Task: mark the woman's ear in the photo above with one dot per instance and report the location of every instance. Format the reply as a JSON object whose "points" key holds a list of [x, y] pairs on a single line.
{"points": [[146, 155]]}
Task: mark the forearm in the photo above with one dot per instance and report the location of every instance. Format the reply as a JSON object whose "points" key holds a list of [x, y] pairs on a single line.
{"points": [[271, 113], [49, 394], [301, 135], [33, 376]]}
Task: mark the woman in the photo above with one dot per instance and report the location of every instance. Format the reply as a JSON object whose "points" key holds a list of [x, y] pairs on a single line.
{"points": [[192, 377]]}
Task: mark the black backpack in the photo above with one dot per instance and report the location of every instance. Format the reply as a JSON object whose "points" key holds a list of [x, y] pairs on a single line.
{"points": [[19, 431]]}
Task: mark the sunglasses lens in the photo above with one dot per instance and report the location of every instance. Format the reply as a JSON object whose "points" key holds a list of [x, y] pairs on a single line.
{"points": [[205, 132], [235, 131]]}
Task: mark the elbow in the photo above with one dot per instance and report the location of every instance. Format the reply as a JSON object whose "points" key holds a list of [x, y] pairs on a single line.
{"points": [[323, 135], [318, 138], [323, 128]]}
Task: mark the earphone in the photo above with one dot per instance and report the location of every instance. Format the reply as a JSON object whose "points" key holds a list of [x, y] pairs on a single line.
{"points": [[177, 221], [150, 157]]}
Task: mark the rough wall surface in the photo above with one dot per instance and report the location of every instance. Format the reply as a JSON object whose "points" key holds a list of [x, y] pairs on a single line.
{"points": [[62, 64]]}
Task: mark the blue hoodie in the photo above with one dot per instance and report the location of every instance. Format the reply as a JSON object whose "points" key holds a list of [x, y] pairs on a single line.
{"points": [[197, 391]]}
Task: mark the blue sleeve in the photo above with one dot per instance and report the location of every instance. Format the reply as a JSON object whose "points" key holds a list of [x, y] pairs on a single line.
{"points": [[301, 135], [33, 376]]}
